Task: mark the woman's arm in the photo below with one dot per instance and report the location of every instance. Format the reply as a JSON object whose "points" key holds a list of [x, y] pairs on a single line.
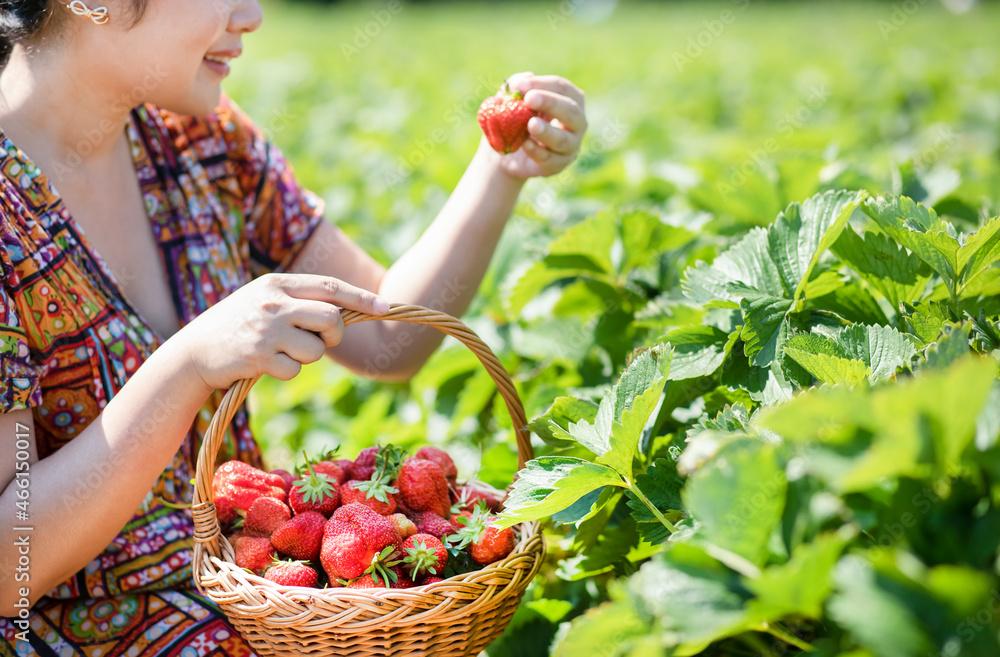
{"points": [[80, 497], [444, 268]]}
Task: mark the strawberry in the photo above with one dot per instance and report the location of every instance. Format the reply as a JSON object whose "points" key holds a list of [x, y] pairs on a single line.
{"points": [[423, 486], [266, 514], [357, 540], [364, 466], [493, 545], [428, 522], [236, 485], [376, 494], [344, 554], [301, 536], [366, 582], [287, 477], [487, 543], [440, 457], [423, 553], [403, 525], [254, 554], [325, 466], [315, 492], [504, 119], [292, 573], [431, 579], [401, 581]]}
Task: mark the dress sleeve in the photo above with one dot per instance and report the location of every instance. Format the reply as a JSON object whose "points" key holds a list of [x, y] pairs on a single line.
{"points": [[280, 213]]}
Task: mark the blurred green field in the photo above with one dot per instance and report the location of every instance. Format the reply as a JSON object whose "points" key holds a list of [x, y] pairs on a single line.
{"points": [[716, 119], [710, 116]]}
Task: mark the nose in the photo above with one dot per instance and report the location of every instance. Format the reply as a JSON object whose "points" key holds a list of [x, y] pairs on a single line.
{"points": [[246, 17]]}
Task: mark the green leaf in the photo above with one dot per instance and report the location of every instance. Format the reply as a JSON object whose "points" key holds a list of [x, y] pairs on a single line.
{"points": [[882, 348], [981, 251], [778, 261], [825, 366], [952, 346], [647, 367], [920, 230], [800, 586], [605, 630], [738, 495], [869, 609], [625, 435], [887, 267], [698, 351], [662, 487], [554, 423], [694, 598], [552, 483], [763, 316]]}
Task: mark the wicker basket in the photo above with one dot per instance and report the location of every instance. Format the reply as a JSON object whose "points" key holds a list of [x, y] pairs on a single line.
{"points": [[458, 616]]}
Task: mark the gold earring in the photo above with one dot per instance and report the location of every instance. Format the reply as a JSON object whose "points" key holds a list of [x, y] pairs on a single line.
{"points": [[99, 15]]}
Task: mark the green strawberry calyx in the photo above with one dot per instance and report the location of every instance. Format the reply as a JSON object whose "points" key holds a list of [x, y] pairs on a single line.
{"points": [[378, 488], [420, 558], [381, 566]]}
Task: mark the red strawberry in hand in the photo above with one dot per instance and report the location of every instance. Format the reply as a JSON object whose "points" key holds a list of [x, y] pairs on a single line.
{"points": [[504, 119]]}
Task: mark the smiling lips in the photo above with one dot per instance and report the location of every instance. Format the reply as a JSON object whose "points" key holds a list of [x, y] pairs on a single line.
{"points": [[220, 60]]}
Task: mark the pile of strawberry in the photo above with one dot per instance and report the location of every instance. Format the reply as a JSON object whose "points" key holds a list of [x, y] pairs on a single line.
{"points": [[381, 520]]}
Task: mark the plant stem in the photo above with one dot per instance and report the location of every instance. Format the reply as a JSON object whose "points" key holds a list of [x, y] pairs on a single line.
{"points": [[645, 500], [779, 633]]}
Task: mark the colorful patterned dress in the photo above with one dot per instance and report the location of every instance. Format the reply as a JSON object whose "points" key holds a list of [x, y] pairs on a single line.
{"points": [[224, 207]]}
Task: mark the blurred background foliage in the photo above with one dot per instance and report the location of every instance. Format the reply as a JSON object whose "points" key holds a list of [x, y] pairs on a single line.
{"points": [[709, 116]]}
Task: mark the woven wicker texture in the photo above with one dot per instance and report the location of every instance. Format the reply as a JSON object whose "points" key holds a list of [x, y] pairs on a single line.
{"points": [[458, 616]]}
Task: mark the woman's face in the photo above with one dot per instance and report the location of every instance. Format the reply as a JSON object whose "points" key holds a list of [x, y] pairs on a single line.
{"points": [[162, 59]]}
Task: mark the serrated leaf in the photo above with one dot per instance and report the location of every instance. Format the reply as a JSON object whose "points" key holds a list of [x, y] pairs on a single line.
{"points": [[606, 629], [830, 369], [927, 322], [981, 251], [882, 348], [625, 435], [550, 484], [738, 495], [952, 346], [698, 351], [554, 423], [985, 333], [662, 487], [763, 316], [883, 264], [647, 367], [920, 230], [778, 261]]}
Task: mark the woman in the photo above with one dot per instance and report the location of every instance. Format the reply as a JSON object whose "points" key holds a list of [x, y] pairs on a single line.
{"points": [[147, 268]]}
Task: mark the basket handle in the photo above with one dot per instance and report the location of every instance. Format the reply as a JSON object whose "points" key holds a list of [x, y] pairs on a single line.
{"points": [[206, 522]]}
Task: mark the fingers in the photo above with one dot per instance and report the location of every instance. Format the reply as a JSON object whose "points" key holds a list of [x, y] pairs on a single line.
{"points": [[551, 83], [555, 139], [331, 290], [551, 104], [322, 319], [303, 347]]}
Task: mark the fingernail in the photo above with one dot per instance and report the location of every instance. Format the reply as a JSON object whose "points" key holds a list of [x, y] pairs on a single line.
{"points": [[381, 306]]}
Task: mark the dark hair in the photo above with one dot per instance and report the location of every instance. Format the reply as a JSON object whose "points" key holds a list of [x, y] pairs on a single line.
{"points": [[20, 20]]}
